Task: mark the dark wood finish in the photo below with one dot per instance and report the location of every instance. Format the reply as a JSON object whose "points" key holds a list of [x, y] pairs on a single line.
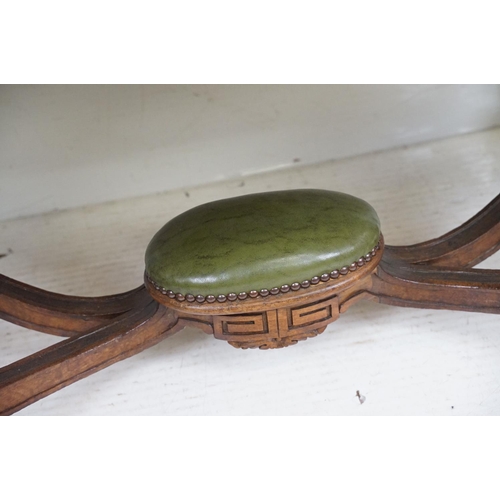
{"points": [[438, 274], [63, 315], [400, 284], [434, 274], [38, 375], [465, 246]]}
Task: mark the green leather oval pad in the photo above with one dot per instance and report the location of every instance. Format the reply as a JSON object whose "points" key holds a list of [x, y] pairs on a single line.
{"points": [[260, 241]]}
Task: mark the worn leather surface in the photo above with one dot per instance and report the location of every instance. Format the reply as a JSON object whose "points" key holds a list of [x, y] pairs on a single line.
{"points": [[260, 241]]}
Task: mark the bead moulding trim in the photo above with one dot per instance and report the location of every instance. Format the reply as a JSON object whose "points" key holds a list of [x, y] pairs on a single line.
{"points": [[264, 292]]}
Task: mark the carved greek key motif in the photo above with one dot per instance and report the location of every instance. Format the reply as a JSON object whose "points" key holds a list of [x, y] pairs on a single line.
{"points": [[278, 327]]}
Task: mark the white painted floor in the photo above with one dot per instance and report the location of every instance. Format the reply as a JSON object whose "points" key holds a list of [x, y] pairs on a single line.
{"points": [[403, 361]]}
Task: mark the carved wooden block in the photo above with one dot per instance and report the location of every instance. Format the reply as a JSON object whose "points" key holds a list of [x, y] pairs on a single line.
{"points": [[300, 319], [277, 327]]}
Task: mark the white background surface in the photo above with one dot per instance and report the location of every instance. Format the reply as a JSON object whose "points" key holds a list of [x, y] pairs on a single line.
{"points": [[404, 361], [70, 146]]}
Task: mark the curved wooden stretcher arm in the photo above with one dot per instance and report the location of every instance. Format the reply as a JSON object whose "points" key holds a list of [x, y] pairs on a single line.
{"points": [[436, 274], [63, 315], [465, 246], [433, 287], [41, 374]]}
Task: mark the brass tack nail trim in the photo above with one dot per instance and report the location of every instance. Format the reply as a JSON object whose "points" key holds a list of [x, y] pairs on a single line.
{"points": [[264, 292]]}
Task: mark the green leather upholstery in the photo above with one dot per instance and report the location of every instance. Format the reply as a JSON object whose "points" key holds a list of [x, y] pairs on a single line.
{"points": [[260, 241]]}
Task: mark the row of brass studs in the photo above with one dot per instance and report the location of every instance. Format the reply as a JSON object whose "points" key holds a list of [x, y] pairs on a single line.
{"points": [[273, 291]]}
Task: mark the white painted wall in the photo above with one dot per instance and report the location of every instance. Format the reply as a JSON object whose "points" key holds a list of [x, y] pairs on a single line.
{"points": [[69, 146]]}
